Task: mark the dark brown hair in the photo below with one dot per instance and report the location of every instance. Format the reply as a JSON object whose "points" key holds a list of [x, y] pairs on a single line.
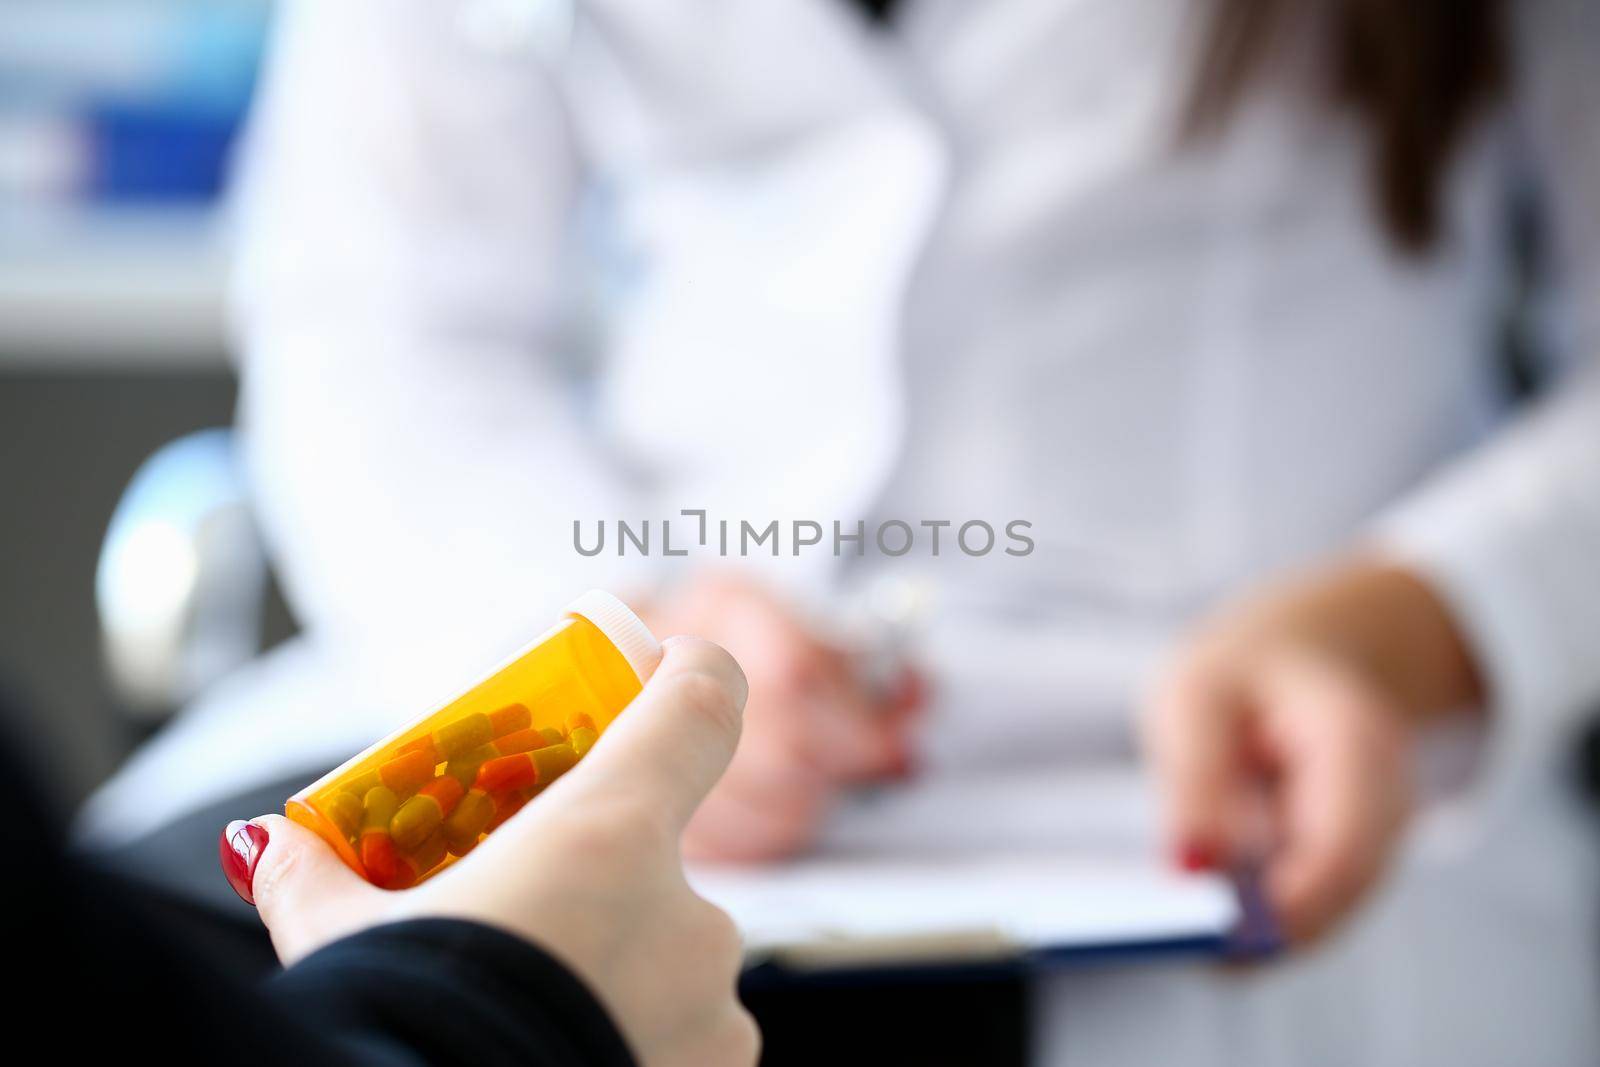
{"points": [[1416, 72]]}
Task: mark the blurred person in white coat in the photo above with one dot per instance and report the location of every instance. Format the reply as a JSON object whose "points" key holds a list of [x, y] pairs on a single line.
{"points": [[1203, 293]]}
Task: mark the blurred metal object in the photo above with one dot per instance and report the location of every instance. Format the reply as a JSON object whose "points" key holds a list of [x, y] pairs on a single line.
{"points": [[181, 582], [883, 620]]}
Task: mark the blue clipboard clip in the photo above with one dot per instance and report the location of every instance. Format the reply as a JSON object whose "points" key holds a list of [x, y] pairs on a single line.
{"points": [[1258, 934]]}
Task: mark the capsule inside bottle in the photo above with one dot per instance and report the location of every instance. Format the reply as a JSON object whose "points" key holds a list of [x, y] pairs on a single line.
{"points": [[424, 796]]}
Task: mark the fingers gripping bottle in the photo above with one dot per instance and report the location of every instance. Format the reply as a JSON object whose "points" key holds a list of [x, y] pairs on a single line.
{"points": [[428, 793]]}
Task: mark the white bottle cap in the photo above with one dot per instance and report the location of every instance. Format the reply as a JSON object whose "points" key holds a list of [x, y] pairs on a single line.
{"points": [[622, 628]]}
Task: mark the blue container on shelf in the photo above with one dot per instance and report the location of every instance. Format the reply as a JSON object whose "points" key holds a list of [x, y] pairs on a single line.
{"points": [[155, 90], [156, 154], [172, 144]]}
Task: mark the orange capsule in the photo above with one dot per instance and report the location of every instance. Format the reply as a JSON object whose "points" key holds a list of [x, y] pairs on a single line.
{"points": [[509, 718], [423, 813], [520, 741], [580, 720], [539, 767], [405, 773], [516, 771], [403, 876], [378, 856], [445, 792], [420, 744]]}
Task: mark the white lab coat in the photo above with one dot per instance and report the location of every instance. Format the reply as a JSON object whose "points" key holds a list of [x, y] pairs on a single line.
{"points": [[506, 265]]}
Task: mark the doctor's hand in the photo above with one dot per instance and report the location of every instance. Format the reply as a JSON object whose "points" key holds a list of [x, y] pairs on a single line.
{"points": [[590, 871], [1281, 733], [812, 728]]}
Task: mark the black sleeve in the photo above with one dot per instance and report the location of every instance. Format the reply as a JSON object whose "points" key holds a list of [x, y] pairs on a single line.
{"points": [[100, 963], [441, 991]]}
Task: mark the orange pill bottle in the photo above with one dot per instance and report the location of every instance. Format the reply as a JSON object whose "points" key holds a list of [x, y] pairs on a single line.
{"points": [[429, 792]]}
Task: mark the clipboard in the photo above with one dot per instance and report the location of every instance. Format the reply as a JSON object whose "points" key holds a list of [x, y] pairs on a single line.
{"points": [[1039, 867]]}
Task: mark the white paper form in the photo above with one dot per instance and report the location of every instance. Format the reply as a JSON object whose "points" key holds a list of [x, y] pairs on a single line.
{"points": [[962, 868]]}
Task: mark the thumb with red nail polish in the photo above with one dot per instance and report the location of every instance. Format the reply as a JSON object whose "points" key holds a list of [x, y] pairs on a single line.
{"points": [[240, 851], [305, 894]]}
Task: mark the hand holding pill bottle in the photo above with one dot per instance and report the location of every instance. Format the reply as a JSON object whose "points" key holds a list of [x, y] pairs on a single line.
{"points": [[428, 793]]}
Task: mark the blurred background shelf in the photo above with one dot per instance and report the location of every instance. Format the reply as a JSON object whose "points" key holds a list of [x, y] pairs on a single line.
{"points": [[114, 290], [111, 345], [118, 123]]}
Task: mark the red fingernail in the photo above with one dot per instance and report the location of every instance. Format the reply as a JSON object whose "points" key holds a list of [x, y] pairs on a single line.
{"points": [[902, 766], [911, 692], [240, 850], [1196, 857]]}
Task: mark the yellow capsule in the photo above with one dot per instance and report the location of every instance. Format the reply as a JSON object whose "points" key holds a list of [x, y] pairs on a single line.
{"points": [[422, 814], [362, 783], [380, 804], [551, 735], [431, 851], [345, 809], [464, 768], [466, 823], [463, 735], [552, 762], [426, 856], [583, 740]]}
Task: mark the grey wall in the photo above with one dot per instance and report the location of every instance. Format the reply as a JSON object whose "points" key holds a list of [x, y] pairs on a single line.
{"points": [[69, 442]]}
